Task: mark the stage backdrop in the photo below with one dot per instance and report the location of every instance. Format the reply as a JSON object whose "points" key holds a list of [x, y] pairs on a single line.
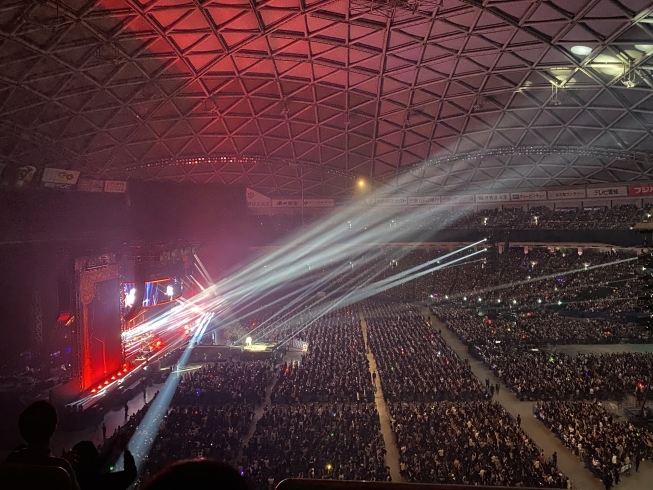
{"points": [[99, 301], [104, 330]]}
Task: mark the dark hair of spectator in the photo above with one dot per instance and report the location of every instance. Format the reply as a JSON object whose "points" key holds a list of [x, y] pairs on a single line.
{"points": [[38, 422], [197, 474], [88, 455]]}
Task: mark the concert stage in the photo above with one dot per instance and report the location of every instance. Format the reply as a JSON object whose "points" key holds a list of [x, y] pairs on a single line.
{"points": [[216, 353]]}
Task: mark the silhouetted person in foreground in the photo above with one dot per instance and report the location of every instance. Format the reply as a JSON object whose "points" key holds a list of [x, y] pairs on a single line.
{"points": [[197, 474], [88, 470], [37, 424]]}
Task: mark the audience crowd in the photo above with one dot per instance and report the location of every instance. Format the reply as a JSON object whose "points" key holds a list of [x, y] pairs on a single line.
{"points": [[414, 362], [608, 447], [535, 374], [334, 368], [473, 443], [225, 382], [537, 328], [214, 430], [324, 441]]}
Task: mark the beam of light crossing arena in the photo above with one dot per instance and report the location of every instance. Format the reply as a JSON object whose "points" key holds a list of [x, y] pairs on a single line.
{"points": [[316, 303], [318, 245], [398, 281], [566, 290], [202, 269], [542, 278], [433, 261], [357, 281], [362, 283], [326, 300], [146, 432], [317, 286], [375, 288], [326, 242]]}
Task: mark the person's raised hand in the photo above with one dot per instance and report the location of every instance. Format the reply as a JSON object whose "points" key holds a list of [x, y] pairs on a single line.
{"points": [[71, 456], [130, 462]]}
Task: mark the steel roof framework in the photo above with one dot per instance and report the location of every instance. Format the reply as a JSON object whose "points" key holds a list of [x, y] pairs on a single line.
{"points": [[268, 93]]}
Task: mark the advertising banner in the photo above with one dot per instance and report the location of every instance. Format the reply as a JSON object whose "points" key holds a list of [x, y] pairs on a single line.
{"points": [[54, 177], [256, 200], [498, 197], [607, 192], [18, 176], [423, 201], [567, 194], [318, 203], [286, 203], [116, 186], [391, 201], [528, 196], [640, 190], [90, 185], [462, 199]]}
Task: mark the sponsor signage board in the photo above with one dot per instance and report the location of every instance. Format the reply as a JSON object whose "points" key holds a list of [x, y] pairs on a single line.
{"points": [[640, 190], [115, 186], [55, 177], [318, 203], [567, 194], [391, 201], [256, 199], [607, 192], [90, 185], [286, 203], [462, 199], [494, 197], [528, 196], [17, 176], [423, 200]]}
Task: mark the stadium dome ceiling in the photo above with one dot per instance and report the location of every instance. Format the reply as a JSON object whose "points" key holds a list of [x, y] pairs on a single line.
{"points": [[280, 94]]}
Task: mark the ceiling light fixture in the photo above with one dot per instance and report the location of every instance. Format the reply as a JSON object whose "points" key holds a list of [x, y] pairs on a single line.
{"points": [[628, 78], [581, 50], [555, 100]]}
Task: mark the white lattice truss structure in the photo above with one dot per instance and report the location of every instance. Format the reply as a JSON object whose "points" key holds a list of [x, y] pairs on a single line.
{"points": [[460, 95]]}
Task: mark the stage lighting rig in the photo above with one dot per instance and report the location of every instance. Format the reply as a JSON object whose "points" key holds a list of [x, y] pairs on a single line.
{"points": [[628, 78]]}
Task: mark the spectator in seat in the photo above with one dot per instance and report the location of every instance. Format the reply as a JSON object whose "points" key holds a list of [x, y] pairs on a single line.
{"points": [[37, 424], [198, 474], [88, 473]]}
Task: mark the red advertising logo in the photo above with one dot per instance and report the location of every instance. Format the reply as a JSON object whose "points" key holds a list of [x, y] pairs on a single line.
{"points": [[640, 190]]}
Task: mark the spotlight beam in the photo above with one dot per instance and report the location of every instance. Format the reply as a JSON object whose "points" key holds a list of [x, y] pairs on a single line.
{"points": [[146, 432], [370, 275], [371, 290], [203, 270], [543, 278]]}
